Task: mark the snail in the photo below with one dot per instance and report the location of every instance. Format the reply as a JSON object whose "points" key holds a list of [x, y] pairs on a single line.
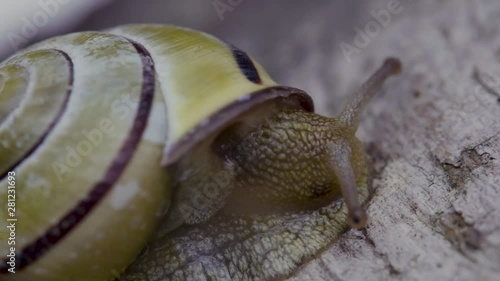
{"points": [[153, 152]]}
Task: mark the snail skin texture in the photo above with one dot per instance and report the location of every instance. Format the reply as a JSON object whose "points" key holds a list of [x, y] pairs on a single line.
{"points": [[152, 152]]}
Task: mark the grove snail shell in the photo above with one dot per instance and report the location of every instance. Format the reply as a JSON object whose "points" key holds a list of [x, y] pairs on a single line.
{"points": [[115, 134]]}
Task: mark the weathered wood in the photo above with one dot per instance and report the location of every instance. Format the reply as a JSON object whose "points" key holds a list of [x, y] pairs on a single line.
{"points": [[433, 134], [435, 139]]}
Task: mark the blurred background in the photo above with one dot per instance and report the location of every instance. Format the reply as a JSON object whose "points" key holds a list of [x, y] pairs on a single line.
{"points": [[293, 39]]}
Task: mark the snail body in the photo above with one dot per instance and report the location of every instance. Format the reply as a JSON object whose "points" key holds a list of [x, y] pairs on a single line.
{"points": [[168, 136]]}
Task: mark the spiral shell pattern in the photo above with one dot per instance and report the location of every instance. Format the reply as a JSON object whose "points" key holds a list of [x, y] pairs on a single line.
{"points": [[75, 126]]}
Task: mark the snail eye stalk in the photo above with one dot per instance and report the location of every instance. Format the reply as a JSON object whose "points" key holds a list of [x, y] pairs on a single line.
{"points": [[342, 167], [351, 115], [341, 151]]}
